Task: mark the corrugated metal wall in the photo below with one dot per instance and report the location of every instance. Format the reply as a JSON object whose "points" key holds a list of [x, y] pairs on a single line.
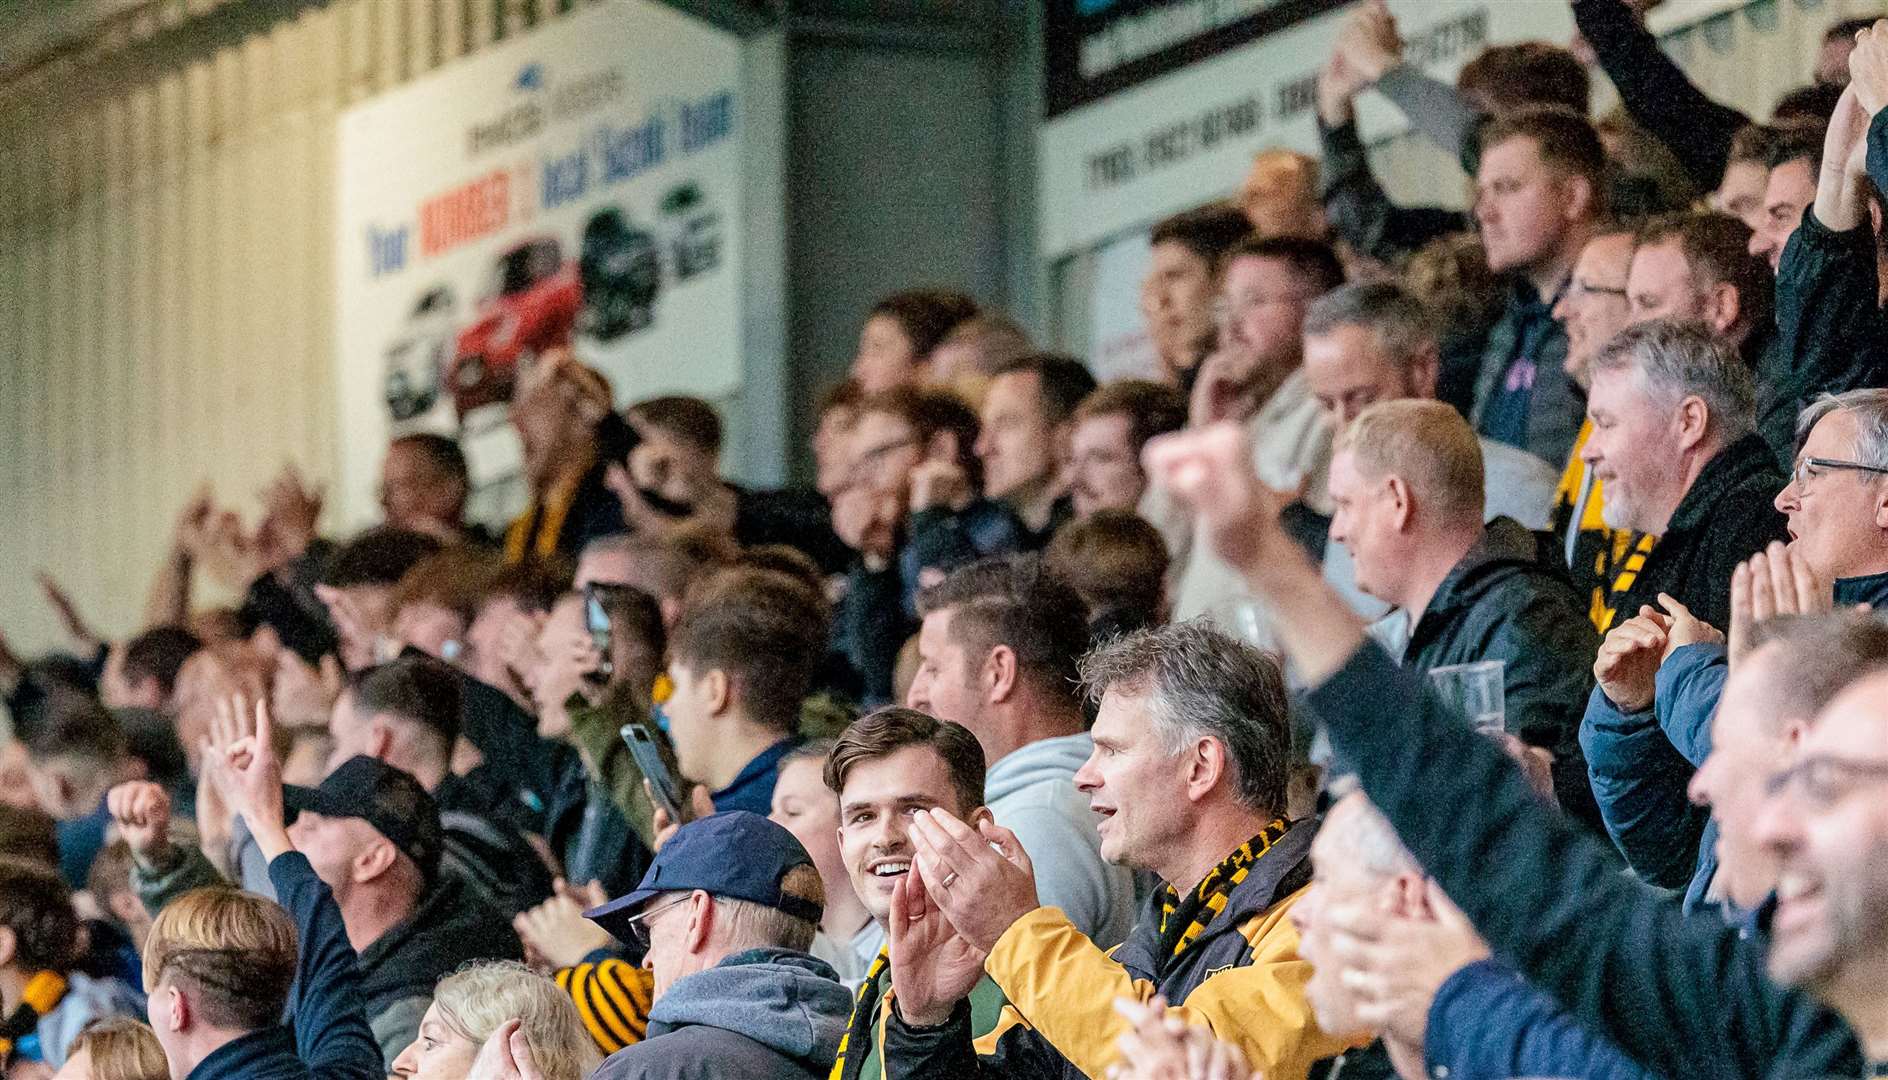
{"points": [[166, 312]]}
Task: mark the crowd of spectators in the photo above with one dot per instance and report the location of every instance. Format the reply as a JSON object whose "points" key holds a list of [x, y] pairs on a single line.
{"points": [[1074, 730]]}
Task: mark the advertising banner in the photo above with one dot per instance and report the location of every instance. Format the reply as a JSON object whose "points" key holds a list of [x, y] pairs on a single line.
{"points": [[1098, 47], [1186, 138], [580, 186]]}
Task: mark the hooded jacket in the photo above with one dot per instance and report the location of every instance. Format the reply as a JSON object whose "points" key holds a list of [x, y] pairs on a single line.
{"points": [[769, 1014], [401, 967], [1031, 791], [1241, 976], [1510, 600]]}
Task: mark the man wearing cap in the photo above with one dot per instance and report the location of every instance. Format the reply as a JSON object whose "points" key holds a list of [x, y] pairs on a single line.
{"points": [[373, 836], [725, 938]]}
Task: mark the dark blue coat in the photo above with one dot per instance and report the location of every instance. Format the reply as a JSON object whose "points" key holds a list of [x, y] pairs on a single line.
{"points": [[330, 1039], [1487, 1023]]}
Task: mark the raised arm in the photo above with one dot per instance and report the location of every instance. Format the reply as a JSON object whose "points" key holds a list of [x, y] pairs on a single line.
{"points": [[331, 1033], [1684, 997]]}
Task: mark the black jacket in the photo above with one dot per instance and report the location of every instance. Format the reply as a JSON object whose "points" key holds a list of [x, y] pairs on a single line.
{"points": [[1656, 93], [1727, 516], [1831, 334], [1510, 600], [1686, 997], [399, 970]]}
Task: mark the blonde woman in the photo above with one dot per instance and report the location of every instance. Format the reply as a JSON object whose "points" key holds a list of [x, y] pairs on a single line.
{"points": [[477, 1000], [118, 1048]]}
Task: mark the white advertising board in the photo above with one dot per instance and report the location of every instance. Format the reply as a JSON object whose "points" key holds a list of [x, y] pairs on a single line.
{"points": [[581, 186]]}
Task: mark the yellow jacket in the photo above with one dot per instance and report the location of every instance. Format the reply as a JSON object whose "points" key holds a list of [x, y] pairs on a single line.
{"points": [[1242, 978]]}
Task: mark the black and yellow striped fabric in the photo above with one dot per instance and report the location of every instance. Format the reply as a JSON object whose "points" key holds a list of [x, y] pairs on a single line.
{"points": [[613, 998], [864, 1009], [1181, 922], [1623, 561]]}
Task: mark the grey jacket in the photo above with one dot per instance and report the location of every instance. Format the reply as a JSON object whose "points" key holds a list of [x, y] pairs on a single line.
{"points": [[769, 1014]]}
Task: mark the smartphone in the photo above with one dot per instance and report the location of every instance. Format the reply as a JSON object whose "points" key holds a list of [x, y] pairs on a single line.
{"points": [[642, 746], [597, 621]]}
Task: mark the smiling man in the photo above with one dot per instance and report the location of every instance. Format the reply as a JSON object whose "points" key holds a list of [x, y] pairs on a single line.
{"points": [[1837, 500], [1674, 441], [887, 767], [1189, 774]]}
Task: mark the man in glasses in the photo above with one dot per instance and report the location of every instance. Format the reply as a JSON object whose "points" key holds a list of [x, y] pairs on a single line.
{"points": [[1592, 309], [1256, 377], [725, 916], [1837, 497]]}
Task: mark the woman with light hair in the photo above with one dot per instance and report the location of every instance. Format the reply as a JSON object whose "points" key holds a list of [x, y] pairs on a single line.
{"points": [[479, 999], [117, 1048]]}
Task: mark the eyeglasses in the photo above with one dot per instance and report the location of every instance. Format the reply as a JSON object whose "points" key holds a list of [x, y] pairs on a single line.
{"points": [[639, 924], [1805, 470], [1823, 780]]}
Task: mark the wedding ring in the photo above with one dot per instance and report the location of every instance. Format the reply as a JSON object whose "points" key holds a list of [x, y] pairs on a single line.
{"points": [[948, 878]]}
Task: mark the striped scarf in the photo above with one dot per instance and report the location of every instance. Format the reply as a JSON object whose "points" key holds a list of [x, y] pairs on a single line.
{"points": [[1627, 553], [42, 995], [1183, 921], [863, 1010]]}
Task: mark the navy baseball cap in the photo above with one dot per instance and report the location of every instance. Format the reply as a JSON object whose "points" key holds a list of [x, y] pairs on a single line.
{"points": [[390, 800], [739, 855]]}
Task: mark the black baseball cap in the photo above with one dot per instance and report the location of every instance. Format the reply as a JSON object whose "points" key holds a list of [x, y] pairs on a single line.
{"points": [[740, 855], [390, 800]]}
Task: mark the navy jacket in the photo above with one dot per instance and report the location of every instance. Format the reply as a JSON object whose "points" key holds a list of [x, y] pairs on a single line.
{"points": [[1640, 764], [1487, 1023], [1684, 997], [1831, 334], [330, 1039]]}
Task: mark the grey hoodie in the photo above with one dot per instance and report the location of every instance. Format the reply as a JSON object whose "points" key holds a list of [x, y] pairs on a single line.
{"points": [[1032, 793], [763, 1013]]}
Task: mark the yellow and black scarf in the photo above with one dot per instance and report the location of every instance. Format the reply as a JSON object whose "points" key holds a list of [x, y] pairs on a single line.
{"points": [[863, 1009], [1183, 921], [42, 995]]}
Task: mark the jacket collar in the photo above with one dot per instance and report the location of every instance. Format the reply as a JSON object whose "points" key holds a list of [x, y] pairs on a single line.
{"points": [[1281, 871], [1871, 589], [251, 1055], [1504, 541], [1746, 459]]}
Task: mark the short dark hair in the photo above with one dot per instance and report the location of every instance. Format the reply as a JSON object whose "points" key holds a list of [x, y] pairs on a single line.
{"points": [[1117, 563], [457, 578], [1527, 73], [926, 316], [686, 419], [1753, 142], [1063, 380], [36, 904], [929, 412], [1152, 408], [28, 834], [1797, 138], [159, 653], [884, 732], [1848, 28], [441, 452], [74, 724], [1203, 682], [765, 630], [1717, 249], [1017, 601], [1313, 261], [844, 394], [380, 556], [534, 585], [1209, 231], [1566, 139], [417, 689], [1815, 102]]}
